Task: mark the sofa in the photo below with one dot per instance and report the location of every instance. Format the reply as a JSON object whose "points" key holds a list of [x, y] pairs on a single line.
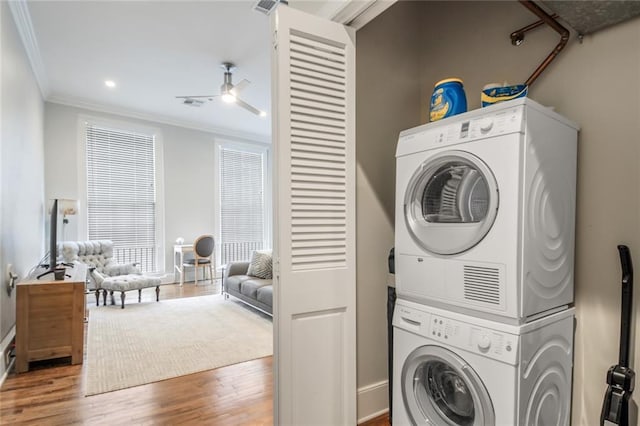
{"points": [[254, 291]]}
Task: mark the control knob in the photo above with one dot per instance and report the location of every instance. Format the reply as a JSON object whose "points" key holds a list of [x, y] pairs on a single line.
{"points": [[484, 342], [486, 124]]}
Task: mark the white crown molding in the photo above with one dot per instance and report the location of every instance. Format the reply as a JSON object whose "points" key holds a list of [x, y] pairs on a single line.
{"points": [[84, 104], [358, 13], [22, 19]]}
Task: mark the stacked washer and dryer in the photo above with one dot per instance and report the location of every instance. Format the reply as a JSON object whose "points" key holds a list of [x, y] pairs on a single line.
{"points": [[484, 252]]}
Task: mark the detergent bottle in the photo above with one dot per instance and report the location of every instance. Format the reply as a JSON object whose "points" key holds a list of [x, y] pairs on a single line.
{"points": [[448, 99]]}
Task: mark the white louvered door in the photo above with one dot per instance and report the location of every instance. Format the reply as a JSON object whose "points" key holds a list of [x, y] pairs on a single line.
{"points": [[314, 197]]}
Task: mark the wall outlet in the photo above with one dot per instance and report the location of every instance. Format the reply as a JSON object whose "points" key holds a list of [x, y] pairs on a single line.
{"points": [[12, 277], [9, 353]]}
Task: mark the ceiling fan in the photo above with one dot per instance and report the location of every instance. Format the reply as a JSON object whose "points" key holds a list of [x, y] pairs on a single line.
{"points": [[228, 92]]}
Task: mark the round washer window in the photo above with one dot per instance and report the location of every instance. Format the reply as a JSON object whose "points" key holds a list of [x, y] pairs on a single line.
{"points": [[447, 391], [440, 388], [451, 202]]}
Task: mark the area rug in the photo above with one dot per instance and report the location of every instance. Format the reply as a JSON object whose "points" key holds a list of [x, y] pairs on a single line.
{"points": [[149, 342]]}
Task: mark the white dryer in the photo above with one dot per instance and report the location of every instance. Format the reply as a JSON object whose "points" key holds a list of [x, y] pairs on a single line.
{"points": [[485, 211], [457, 370]]}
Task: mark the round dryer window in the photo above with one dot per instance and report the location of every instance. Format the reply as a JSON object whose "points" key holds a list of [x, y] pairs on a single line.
{"points": [[439, 388], [451, 202]]}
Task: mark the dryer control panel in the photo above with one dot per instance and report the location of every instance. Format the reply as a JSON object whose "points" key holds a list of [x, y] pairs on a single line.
{"points": [[463, 128]]}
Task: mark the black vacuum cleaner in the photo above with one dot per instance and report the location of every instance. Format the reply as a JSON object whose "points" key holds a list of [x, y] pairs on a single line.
{"points": [[621, 378]]}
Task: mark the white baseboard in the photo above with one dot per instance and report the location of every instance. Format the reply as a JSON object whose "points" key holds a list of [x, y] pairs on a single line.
{"points": [[373, 401], [169, 278], [4, 370]]}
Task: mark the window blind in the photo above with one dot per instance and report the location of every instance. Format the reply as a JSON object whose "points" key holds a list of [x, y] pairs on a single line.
{"points": [[121, 195], [242, 208]]}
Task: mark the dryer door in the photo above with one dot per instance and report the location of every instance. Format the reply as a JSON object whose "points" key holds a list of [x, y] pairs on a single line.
{"points": [[451, 202], [440, 388]]}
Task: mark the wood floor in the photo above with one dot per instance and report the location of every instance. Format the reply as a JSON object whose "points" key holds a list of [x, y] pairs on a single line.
{"points": [[51, 393]]}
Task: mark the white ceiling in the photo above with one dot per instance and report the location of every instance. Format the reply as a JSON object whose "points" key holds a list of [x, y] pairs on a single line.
{"points": [[155, 51]]}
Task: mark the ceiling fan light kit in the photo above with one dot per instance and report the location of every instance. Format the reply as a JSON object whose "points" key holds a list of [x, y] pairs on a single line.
{"points": [[228, 98], [228, 92]]}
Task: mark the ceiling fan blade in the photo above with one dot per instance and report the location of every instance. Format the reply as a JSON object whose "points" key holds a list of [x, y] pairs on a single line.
{"points": [[237, 88], [248, 107], [196, 97]]}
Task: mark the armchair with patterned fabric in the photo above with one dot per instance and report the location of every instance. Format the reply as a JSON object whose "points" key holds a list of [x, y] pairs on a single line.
{"points": [[106, 274]]}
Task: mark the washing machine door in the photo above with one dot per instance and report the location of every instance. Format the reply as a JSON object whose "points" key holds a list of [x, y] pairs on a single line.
{"points": [[451, 202], [440, 388]]}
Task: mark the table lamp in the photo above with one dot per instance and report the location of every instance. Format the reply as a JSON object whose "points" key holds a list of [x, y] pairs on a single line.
{"points": [[67, 208]]}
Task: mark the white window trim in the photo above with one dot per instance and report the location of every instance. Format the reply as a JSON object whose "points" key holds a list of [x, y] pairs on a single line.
{"points": [[257, 147], [83, 225]]}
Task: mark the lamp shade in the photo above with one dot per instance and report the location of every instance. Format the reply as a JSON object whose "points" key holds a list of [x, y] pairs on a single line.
{"points": [[67, 207]]}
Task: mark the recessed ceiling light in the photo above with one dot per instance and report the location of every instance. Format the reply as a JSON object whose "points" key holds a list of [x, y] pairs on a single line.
{"points": [[263, 114], [110, 84]]}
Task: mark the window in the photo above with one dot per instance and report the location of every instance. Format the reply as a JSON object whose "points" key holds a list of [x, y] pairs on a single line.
{"points": [[243, 204], [121, 193]]}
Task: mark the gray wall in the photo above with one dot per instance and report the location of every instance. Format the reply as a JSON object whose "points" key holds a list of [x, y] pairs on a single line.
{"points": [[387, 101], [189, 173], [594, 84], [21, 167]]}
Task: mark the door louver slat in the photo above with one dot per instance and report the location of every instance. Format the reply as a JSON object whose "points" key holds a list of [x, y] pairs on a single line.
{"points": [[317, 119], [319, 233], [314, 113], [315, 155], [302, 66], [319, 46], [305, 143], [331, 140], [319, 129], [302, 71], [319, 107], [318, 82], [296, 162]]}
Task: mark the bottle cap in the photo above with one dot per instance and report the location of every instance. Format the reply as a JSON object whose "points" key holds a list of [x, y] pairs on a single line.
{"points": [[449, 80]]}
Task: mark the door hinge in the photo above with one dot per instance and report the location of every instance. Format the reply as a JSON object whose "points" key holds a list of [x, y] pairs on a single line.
{"points": [[275, 40]]}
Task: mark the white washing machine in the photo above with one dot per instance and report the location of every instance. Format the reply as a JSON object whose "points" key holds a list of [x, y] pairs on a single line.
{"points": [[485, 212], [453, 369]]}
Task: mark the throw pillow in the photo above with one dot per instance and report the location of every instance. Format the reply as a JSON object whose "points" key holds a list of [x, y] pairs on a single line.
{"points": [[261, 265]]}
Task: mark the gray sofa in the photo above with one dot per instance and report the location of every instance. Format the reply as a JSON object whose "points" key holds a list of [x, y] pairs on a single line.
{"points": [[254, 291]]}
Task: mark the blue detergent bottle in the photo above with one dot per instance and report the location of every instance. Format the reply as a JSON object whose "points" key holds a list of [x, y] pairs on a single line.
{"points": [[448, 99]]}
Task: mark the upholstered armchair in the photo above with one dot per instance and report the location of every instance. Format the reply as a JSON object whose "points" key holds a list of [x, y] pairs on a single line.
{"points": [[105, 273]]}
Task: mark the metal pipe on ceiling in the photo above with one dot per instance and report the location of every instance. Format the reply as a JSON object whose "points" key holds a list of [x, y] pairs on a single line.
{"points": [[550, 21]]}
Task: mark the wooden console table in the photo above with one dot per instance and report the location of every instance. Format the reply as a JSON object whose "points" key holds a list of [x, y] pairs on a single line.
{"points": [[50, 318]]}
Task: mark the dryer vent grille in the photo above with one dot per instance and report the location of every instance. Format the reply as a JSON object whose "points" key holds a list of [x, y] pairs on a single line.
{"points": [[482, 284]]}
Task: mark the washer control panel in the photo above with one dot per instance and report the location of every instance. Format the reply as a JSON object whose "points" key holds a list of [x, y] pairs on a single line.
{"points": [[488, 342]]}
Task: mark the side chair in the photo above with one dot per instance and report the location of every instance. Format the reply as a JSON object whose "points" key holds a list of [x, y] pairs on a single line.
{"points": [[203, 257]]}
